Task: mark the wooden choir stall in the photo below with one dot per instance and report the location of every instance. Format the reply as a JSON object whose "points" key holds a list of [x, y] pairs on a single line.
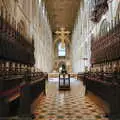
{"points": [[20, 83], [104, 76]]}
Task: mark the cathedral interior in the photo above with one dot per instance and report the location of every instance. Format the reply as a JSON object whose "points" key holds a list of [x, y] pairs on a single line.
{"points": [[46, 43]]}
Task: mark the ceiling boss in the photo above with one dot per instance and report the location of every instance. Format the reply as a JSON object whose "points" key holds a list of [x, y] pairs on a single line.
{"points": [[63, 36]]}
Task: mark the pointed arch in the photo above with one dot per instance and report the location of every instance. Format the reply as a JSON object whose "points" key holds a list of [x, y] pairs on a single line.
{"points": [[118, 11], [104, 27], [21, 26]]}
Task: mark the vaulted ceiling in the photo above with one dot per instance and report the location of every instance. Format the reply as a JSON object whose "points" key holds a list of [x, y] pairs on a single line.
{"points": [[62, 13]]}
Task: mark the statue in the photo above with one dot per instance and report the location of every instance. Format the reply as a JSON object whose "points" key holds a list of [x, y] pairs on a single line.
{"points": [[64, 71]]}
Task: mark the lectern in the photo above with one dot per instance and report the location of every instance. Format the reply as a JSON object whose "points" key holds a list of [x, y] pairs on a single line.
{"points": [[64, 81]]}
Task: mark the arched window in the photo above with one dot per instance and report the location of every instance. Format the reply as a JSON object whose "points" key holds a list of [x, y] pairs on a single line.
{"points": [[61, 50]]}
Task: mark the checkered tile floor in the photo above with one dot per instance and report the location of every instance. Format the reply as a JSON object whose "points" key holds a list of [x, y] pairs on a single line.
{"points": [[66, 105]]}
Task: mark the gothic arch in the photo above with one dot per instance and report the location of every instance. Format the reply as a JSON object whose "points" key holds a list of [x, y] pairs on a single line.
{"points": [[118, 11], [67, 45], [6, 4], [104, 27], [21, 26]]}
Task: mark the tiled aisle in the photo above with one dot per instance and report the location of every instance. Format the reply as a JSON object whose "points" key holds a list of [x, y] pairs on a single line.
{"points": [[66, 105]]}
